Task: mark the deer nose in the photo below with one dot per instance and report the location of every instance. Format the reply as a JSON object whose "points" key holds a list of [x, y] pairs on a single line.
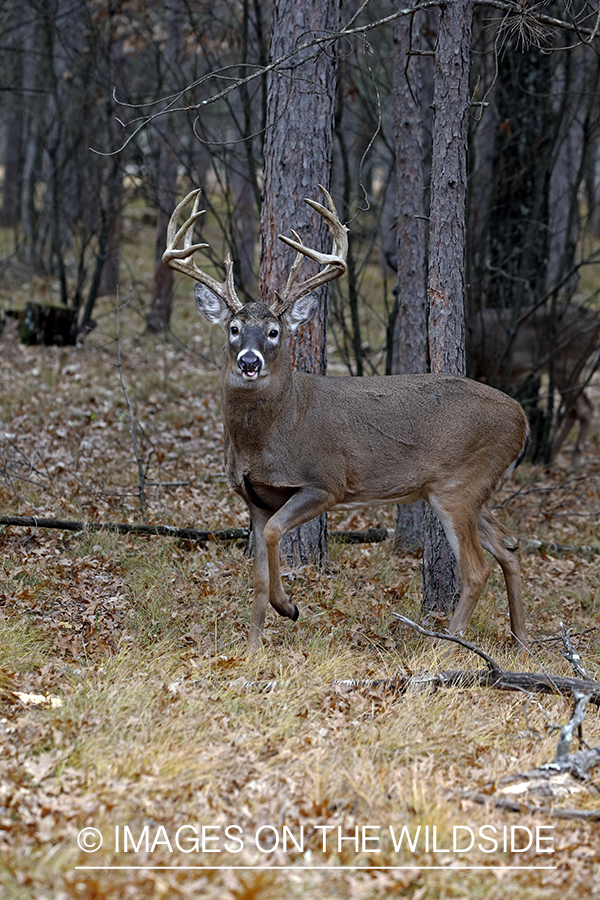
{"points": [[250, 363]]}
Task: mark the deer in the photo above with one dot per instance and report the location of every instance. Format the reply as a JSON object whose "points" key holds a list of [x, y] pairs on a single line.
{"points": [[512, 351], [299, 444]]}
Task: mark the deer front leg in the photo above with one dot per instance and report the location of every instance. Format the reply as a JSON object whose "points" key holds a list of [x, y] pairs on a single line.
{"points": [[266, 572], [302, 506], [260, 576]]}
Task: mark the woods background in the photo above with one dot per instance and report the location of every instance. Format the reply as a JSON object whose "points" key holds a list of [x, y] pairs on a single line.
{"points": [[469, 182]]}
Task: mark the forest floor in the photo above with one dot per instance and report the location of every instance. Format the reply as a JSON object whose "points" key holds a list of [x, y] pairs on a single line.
{"points": [[129, 705]]}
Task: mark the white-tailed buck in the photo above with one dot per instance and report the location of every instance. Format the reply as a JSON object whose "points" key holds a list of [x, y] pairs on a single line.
{"points": [[297, 445], [512, 351]]}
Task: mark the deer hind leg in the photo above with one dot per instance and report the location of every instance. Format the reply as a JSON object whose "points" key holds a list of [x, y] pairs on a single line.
{"points": [[581, 411], [460, 526], [585, 411], [504, 546]]}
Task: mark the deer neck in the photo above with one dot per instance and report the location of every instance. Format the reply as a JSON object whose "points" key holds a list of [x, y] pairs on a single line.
{"points": [[253, 410]]}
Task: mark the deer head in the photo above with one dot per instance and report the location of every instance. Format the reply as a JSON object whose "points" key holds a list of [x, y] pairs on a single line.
{"points": [[260, 323]]}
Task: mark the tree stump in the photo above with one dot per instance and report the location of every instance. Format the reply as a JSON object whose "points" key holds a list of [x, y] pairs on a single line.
{"points": [[44, 324]]}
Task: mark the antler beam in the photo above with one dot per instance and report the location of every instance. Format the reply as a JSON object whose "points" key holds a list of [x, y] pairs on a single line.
{"points": [[334, 263], [181, 260]]}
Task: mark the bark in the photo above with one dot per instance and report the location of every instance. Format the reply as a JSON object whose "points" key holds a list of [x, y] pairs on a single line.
{"points": [[351, 336], [577, 75], [518, 243], [159, 313], [446, 274], [32, 151], [409, 338], [298, 153], [109, 278], [13, 127]]}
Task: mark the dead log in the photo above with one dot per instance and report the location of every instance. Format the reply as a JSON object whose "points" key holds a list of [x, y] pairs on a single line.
{"points": [[497, 677], [188, 534], [369, 536]]}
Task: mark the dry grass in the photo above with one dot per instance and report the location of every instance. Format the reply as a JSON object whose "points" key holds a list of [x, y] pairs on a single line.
{"points": [[165, 722]]}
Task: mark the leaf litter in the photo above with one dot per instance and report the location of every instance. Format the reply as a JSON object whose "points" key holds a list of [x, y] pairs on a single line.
{"points": [[141, 640]]}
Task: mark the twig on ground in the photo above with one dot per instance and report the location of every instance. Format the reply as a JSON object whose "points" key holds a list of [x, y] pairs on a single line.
{"points": [[566, 732], [571, 654], [589, 815], [140, 463], [502, 679], [444, 636]]}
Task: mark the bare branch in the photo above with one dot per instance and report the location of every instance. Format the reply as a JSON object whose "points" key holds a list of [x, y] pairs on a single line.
{"points": [[533, 14], [320, 44], [571, 654], [566, 732], [140, 464], [454, 638]]}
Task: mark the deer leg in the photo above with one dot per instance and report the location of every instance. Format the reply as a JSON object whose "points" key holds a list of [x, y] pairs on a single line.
{"points": [[302, 506], [260, 576], [568, 422], [504, 546], [581, 411], [461, 530], [584, 409], [474, 572]]}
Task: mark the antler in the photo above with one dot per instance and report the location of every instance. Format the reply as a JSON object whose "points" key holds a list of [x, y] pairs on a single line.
{"points": [[334, 262], [181, 260]]}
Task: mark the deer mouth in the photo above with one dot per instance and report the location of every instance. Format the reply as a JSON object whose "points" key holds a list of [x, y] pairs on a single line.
{"points": [[250, 364]]}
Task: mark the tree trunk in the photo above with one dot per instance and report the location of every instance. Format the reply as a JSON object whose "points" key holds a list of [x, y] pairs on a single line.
{"points": [[32, 150], [9, 214], [446, 275], [298, 152], [109, 278], [159, 313], [409, 338]]}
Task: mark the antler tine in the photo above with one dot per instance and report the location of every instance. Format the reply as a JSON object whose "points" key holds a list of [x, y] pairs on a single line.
{"points": [[181, 260], [334, 263]]}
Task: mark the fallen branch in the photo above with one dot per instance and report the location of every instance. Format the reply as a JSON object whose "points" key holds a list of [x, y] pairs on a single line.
{"points": [[570, 653], [567, 773], [501, 679], [588, 815], [366, 536], [188, 534], [530, 545], [370, 536], [526, 682]]}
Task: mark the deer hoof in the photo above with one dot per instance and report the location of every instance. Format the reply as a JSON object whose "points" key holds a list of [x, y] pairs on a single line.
{"points": [[295, 614]]}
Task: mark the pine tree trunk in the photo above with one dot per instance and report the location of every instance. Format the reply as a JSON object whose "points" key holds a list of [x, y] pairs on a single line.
{"points": [[409, 339], [159, 313], [446, 275], [298, 153]]}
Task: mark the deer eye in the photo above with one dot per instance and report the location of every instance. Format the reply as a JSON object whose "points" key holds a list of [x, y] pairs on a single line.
{"points": [[274, 333], [234, 330]]}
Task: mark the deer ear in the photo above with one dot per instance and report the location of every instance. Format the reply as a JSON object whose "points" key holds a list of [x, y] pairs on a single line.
{"points": [[211, 306], [301, 311]]}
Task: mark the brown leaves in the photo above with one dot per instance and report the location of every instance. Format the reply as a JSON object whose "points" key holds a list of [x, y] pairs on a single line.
{"points": [[143, 641]]}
